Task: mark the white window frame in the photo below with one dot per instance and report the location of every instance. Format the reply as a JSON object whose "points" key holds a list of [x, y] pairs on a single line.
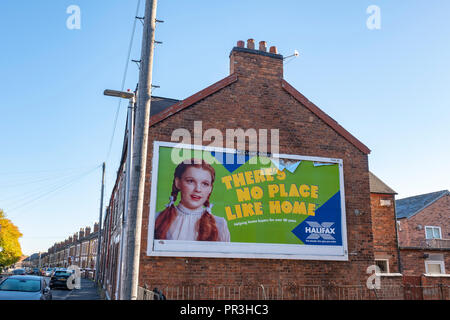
{"points": [[385, 202], [440, 262], [387, 265], [432, 228]]}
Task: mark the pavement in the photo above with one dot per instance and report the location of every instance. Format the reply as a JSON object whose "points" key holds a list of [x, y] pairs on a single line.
{"points": [[88, 291]]}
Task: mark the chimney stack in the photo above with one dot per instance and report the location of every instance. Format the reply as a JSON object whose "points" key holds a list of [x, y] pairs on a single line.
{"points": [[96, 227], [248, 62], [81, 233], [87, 231]]}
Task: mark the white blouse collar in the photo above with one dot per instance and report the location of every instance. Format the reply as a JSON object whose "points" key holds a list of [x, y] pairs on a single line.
{"points": [[183, 210]]}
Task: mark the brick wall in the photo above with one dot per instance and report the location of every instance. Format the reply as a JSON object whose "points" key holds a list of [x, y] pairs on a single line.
{"points": [[436, 214], [384, 230], [436, 288], [412, 236], [413, 260], [257, 100]]}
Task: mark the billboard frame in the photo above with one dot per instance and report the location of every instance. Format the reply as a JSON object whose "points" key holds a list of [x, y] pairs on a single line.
{"points": [[209, 249]]}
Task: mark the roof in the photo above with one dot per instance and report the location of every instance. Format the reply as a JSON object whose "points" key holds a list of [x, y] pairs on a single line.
{"points": [[378, 186], [159, 104], [165, 110], [25, 277], [183, 104], [408, 207], [34, 256]]}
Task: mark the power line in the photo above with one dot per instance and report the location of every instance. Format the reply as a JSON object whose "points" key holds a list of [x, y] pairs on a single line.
{"points": [[40, 188], [54, 174], [50, 192], [124, 78], [53, 188], [3, 173]]}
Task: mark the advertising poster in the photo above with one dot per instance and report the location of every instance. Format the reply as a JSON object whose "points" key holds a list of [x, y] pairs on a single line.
{"points": [[211, 202]]}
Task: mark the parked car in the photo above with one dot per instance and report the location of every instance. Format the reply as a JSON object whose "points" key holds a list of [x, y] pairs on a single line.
{"points": [[48, 272], [19, 272], [25, 288], [59, 280]]}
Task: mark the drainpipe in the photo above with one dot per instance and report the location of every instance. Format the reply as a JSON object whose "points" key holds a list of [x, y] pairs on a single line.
{"points": [[400, 268]]}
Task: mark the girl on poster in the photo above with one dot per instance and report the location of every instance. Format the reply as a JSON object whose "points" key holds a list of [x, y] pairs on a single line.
{"points": [[191, 219]]}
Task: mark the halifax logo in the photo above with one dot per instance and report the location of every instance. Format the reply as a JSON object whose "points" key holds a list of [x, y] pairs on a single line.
{"points": [[317, 230], [325, 227]]}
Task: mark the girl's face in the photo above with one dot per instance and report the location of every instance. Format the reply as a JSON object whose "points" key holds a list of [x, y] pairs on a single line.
{"points": [[195, 186]]}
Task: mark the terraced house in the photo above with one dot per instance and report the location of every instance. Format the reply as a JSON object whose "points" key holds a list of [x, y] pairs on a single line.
{"points": [[255, 96], [424, 237]]}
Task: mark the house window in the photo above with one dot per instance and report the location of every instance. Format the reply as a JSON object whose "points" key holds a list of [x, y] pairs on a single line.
{"points": [[383, 264], [434, 267], [432, 232]]}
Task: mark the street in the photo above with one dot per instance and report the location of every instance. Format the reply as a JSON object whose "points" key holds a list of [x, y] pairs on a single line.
{"points": [[88, 291]]}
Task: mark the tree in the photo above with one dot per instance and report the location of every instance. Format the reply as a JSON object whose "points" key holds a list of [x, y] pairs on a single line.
{"points": [[10, 251]]}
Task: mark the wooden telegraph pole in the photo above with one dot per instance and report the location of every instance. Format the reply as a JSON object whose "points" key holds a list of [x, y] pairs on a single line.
{"points": [[99, 234], [139, 157]]}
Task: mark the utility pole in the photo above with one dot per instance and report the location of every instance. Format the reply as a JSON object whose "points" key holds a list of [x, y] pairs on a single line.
{"points": [[139, 157], [99, 235], [130, 118]]}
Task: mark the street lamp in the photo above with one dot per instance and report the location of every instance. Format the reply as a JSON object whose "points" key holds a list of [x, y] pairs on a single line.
{"points": [[119, 94], [130, 115]]}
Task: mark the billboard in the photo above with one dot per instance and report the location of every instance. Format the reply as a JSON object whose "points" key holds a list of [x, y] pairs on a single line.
{"points": [[216, 202]]}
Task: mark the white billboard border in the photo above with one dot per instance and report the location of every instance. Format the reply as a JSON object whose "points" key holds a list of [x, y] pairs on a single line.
{"points": [[217, 254]]}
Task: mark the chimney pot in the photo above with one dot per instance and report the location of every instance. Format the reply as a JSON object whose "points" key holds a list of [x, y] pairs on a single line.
{"points": [[241, 44], [247, 61], [262, 46], [251, 44]]}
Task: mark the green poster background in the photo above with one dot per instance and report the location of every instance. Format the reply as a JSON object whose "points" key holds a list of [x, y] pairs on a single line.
{"points": [[265, 228]]}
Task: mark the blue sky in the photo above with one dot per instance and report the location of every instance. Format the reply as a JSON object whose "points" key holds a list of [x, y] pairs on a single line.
{"points": [[388, 87]]}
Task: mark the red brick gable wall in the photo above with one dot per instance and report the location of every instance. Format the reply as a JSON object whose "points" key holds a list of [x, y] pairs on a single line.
{"points": [[384, 231], [436, 214], [257, 100]]}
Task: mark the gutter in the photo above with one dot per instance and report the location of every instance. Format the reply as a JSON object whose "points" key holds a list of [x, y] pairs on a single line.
{"points": [[399, 260]]}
